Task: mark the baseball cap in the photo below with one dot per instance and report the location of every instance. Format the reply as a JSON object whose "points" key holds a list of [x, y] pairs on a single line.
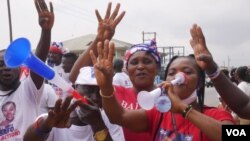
{"points": [[86, 76], [57, 47]]}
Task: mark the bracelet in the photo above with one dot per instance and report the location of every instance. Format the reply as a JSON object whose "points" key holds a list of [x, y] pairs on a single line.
{"points": [[107, 96], [215, 74], [38, 130], [186, 111]]}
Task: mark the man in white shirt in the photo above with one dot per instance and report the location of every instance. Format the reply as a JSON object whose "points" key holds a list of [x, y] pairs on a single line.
{"points": [[48, 99], [59, 59], [49, 96], [120, 78], [24, 94], [88, 122], [55, 61]]}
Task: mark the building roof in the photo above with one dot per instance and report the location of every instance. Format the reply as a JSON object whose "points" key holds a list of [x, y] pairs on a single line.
{"points": [[83, 42]]}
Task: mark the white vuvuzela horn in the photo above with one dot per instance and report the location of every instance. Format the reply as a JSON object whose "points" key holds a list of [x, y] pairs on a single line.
{"points": [[179, 79], [147, 100]]}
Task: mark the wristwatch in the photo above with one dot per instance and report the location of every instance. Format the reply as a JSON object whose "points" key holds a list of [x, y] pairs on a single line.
{"points": [[101, 135]]}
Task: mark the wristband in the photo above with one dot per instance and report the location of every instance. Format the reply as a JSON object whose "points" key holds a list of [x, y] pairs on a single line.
{"points": [[186, 111], [38, 130], [215, 74], [107, 96]]}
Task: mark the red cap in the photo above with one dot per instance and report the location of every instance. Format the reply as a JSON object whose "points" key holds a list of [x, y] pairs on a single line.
{"points": [[55, 49]]}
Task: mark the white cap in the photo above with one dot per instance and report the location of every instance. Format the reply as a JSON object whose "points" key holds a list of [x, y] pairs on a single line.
{"points": [[86, 76]]}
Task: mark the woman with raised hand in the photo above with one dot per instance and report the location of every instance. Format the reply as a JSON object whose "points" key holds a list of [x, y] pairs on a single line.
{"points": [[142, 64], [236, 99], [188, 119]]}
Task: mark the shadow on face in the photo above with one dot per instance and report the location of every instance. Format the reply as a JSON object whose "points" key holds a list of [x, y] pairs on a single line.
{"points": [[90, 91], [142, 69], [8, 76], [190, 68], [55, 58]]}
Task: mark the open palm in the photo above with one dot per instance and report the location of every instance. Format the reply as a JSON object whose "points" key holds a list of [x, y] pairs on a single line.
{"points": [[202, 56], [46, 17], [104, 64], [106, 26], [59, 116]]}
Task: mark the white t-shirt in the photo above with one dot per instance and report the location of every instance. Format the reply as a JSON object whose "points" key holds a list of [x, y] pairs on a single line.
{"points": [[84, 133], [245, 87], [59, 70], [122, 79], [48, 99], [26, 98]]}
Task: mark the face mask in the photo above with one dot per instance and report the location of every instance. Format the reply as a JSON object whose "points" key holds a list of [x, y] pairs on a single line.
{"points": [[191, 98]]}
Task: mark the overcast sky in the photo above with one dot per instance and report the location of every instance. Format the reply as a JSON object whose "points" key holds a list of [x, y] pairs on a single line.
{"points": [[225, 23]]}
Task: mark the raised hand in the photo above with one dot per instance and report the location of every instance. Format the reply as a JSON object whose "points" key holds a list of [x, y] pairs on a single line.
{"points": [[59, 117], [202, 55], [46, 17], [104, 65], [106, 26]]}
